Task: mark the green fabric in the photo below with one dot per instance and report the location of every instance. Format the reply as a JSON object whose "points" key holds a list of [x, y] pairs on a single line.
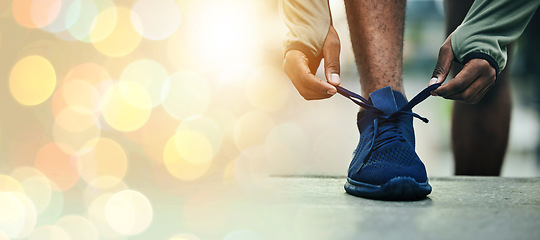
{"points": [[490, 25], [308, 22]]}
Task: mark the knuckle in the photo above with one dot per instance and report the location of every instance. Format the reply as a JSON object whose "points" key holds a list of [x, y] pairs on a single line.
{"points": [[438, 70], [333, 65], [492, 76]]}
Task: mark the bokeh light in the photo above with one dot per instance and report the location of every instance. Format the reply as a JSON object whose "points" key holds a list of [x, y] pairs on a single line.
{"points": [[65, 18], [126, 106], [49, 232], [224, 118], [179, 166], [252, 128], [236, 75], [101, 186], [36, 13], [267, 89], [32, 80], [188, 95], [89, 72], [78, 227], [76, 94], [11, 214], [193, 146], [102, 157], [10, 184], [36, 186], [153, 136], [86, 12], [129, 212], [76, 119], [156, 19], [74, 130], [96, 214], [29, 217], [113, 34], [226, 21], [57, 166], [148, 74], [82, 89], [207, 129]]}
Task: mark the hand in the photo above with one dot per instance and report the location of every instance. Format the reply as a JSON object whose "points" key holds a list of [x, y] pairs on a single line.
{"points": [[296, 66], [470, 84]]}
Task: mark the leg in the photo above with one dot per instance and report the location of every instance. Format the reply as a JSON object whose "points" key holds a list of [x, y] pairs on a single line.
{"points": [[376, 28], [385, 164], [479, 131]]}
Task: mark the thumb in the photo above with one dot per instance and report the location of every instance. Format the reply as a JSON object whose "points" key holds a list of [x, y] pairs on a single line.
{"points": [[331, 49], [444, 62]]}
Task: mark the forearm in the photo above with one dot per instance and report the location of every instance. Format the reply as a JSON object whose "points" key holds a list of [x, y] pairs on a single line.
{"points": [[489, 27], [308, 23]]}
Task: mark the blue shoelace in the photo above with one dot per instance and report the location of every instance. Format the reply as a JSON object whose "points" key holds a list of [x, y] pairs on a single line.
{"points": [[388, 132]]}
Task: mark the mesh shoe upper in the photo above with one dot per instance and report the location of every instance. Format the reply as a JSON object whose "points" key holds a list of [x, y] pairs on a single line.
{"points": [[386, 149]]}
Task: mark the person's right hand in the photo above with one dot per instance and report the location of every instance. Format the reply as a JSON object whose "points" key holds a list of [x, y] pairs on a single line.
{"points": [[296, 66]]}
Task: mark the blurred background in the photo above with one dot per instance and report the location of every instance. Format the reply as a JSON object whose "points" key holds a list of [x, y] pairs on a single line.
{"points": [[119, 114]]}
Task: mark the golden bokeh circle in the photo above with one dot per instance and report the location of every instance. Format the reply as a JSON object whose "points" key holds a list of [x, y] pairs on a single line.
{"points": [[32, 80], [180, 167], [251, 129], [113, 34], [126, 106], [102, 157]]}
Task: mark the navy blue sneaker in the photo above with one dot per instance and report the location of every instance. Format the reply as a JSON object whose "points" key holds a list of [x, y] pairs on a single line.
{"points": [[385, 165]]}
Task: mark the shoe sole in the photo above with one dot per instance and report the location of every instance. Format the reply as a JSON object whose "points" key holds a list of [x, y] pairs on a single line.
{"points": [[399, 188]]}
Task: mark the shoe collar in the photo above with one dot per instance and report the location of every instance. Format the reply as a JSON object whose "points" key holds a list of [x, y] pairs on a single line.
{"points": [[387, 100]]}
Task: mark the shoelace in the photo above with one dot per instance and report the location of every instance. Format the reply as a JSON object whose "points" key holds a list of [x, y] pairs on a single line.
{"points": [[388, 132]]}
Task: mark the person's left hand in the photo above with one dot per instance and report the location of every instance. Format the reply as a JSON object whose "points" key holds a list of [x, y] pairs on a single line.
{"points": [[470, 84]]}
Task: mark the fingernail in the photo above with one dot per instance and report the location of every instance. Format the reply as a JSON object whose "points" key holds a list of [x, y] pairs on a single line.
{"points": [[331, 91], [334, 78], [433, 93], [433, 81]]}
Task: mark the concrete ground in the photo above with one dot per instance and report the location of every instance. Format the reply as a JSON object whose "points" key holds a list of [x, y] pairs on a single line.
{"points": [[313, 207]]}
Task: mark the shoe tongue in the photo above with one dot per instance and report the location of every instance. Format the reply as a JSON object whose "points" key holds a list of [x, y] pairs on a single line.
{"points": [[387, 100]]}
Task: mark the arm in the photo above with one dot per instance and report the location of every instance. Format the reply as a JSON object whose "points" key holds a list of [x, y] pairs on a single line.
{"points": [[311, 38], [480, 43]]}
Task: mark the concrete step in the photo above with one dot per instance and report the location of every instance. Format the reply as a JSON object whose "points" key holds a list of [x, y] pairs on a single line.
{"points": [[317, 207]]}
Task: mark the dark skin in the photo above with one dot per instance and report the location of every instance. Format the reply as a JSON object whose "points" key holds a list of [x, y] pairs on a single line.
{"points": [[479, 131], [470, 84]]}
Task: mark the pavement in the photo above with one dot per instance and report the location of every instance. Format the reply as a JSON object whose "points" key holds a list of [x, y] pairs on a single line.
{"points": [[317, 207]]}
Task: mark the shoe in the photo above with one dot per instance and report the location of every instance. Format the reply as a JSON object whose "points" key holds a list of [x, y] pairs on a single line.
{"points": [[385, 165]]}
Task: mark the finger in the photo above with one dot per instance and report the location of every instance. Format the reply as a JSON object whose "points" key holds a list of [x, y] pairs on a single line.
{"points": [[474, 93], [312, 88], [331, 50], [309, 86], [462, 81], [471, 94], [444, 62]]}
